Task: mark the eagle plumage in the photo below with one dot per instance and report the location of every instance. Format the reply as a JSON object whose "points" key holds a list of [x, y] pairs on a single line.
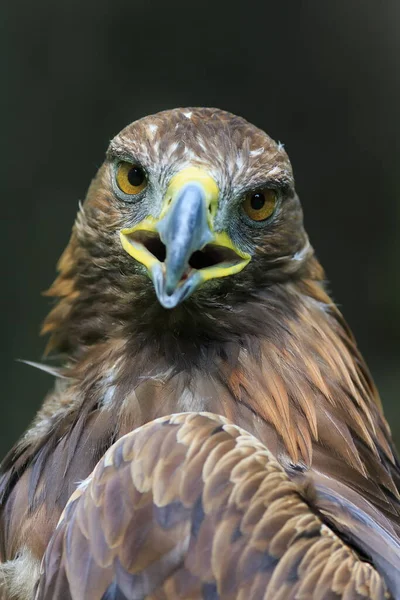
{"points": [[240, 444]]}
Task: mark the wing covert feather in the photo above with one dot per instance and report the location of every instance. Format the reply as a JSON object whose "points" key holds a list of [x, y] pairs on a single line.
{"points": [[191, 506]]}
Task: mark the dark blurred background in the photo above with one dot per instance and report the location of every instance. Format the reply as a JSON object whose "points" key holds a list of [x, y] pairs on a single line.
{"points": [[322, 77]]}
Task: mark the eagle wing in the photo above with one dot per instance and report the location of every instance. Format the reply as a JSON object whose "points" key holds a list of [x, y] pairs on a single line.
{"points": [[192, 506]]}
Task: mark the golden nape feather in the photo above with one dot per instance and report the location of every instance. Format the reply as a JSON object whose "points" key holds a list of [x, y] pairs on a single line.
{"points": [[189, 288], [192, 506]]}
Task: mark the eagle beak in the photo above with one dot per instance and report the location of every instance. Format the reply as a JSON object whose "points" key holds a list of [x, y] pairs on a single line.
{"points": [[180, 249]]}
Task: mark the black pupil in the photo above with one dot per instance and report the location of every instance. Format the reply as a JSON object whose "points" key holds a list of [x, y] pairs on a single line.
{"points": [[135, 176], [257, 201]]}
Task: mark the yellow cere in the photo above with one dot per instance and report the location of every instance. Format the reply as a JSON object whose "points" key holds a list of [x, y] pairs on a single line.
{"points": [[260, 205], [130, 178], [193, 175]]}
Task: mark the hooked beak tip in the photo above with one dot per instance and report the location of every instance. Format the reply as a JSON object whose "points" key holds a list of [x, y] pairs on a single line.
{"points": [[170, 297]]}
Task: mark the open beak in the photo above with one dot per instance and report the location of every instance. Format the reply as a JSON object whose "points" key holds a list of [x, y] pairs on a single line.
{"points": [[180, 249]]}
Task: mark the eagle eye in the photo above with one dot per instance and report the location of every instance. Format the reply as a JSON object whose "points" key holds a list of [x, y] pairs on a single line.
{"points": [[260, 205], [131, 179]]}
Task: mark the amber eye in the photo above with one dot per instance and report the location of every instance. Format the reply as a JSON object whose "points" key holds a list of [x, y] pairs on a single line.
{"points": [[130, 178], [260, 205]]}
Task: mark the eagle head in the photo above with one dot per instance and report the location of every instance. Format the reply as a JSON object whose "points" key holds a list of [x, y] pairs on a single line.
{"points": [[192, 209]]}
